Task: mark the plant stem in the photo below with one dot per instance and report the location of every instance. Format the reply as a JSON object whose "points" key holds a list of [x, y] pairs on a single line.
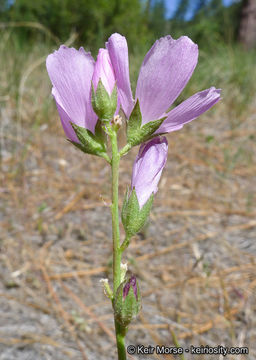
{"points": [[120, 341], [120, 331], [125, 244], [115, 213], [125, 149]]}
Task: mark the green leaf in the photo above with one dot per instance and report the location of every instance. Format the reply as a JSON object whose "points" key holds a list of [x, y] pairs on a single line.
{"points": [[103, 104], [90, 143], [137, 134], [133, 218], [100, 134], [134, 122]]}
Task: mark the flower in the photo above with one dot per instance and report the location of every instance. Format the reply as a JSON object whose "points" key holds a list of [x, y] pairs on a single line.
{"points": [[71, 72], [165, 71], [148, 167]]}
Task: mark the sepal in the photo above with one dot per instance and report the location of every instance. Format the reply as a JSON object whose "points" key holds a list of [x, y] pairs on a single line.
{"points": [[104, 105], [90, 143], [134, 217], [127, 302], [137, 134]]}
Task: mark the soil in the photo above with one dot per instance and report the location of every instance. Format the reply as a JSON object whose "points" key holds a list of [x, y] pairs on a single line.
{"points": [[195, 259]]}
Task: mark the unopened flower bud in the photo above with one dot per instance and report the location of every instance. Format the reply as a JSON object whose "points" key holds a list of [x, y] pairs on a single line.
{"points": [[104, 94], [104, 70], [124, 269], [106, 288], [127, 303]]}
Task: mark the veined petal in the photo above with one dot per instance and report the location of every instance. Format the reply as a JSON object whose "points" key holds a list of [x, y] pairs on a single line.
{"points": [[148, 167], [71, 73], [103, 70], [65, 119], [164, 73], [190, 109], [118, 52]]}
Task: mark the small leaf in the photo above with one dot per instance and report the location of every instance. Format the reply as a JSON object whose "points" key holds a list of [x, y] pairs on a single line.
{"points": [[103, 104], [137, 134], [134, 122], [100, 134], [133, 218], [90, 143]]}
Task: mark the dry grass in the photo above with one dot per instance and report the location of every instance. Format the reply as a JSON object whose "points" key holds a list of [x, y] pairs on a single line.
{"points": [[195, 260]]}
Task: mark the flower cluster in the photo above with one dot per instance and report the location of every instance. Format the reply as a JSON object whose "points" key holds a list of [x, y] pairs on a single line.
{"points": [[165, 71]]}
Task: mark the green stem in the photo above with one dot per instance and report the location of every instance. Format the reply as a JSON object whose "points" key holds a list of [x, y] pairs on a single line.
{"points": [[106, 157], [115, 213], [120, 341], [125, 244], [125, 149], [117, 254]]}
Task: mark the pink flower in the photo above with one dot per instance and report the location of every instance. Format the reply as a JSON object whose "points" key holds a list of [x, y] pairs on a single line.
{"points": [[148, 167], [165, 71], [71, 72]]}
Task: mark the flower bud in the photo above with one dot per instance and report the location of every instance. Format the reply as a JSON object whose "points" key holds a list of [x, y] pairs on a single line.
{"points": [[103, 71], [104, 93], [127, 303], [148, 167], [147, 170], [124, 269]]}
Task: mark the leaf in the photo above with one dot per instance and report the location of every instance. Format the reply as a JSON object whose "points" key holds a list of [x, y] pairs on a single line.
{"points": [[90, 143], [137, 134], [134, 122], [133, 218], [103, 104]]}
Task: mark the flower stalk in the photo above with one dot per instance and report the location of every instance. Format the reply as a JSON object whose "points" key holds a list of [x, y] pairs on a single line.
{"points": [[89, 96], [120, 340], [115, 212], [117, 253]]}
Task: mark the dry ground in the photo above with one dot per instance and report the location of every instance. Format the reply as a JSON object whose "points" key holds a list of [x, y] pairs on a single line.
{"points": [[195, 261]]}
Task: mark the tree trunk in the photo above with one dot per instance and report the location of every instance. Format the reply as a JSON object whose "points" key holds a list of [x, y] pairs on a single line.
{"points": [[247, 29]]}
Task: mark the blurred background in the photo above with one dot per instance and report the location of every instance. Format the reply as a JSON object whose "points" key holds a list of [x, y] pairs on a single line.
{"points": [[196, 258]]}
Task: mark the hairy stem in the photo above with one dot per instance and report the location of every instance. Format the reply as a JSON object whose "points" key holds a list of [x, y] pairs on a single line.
{"points": [[125, 244], [125, 149], [120, 341], [117, 253], [115, 213]]}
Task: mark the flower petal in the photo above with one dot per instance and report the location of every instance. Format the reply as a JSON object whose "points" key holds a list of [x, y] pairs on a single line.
{"points": [[118, 52], [65, 119], [190, 109], [104, 70], [148, 167], [71, 73], [164, 73]]}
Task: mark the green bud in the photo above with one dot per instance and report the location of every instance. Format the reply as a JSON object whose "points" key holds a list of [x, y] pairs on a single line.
{"points": [[104, 105], [127, 302], [134, 217]]}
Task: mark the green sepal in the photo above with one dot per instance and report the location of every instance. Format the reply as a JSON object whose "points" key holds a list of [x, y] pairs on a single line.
{"points": [[133, 218], [125, 310], [90, 143], [104, 105], [137, 134]]}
